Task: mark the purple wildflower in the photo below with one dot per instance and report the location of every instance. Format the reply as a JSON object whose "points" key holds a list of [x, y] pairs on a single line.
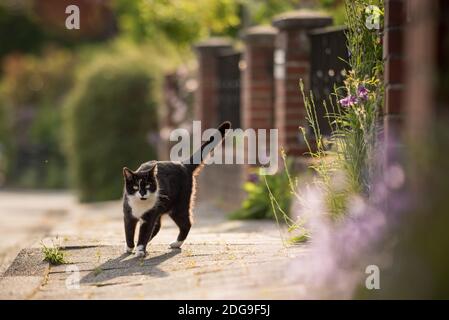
{"points": [[362, 92], [348, 101], [254, 178]]}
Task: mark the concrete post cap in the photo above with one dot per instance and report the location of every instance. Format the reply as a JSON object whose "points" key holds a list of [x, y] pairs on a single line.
{"points": [[215, 43], [303, 18], [259, 31], [259, 35]]}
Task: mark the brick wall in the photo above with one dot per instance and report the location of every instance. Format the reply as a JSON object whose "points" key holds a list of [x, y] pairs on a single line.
{"points": [[421, 66], [415, 53], [411, 39], [394, 57], [274, 59], [420, 103]]}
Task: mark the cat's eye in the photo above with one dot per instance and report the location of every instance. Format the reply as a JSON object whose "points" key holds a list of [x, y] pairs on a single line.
{"points": [[147, 187], [135, 187]]}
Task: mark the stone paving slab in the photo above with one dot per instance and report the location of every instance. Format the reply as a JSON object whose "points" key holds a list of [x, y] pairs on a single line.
{"points": [[221, 259], [25, 217], [29, 262], [19, 287], [24, 276], [195, 272]]}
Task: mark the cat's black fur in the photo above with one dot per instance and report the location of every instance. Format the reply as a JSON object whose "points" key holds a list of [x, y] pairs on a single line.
{"points": [[173, 186]]}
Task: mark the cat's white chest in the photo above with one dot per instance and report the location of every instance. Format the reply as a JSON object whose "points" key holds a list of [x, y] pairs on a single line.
{"points": [[139, 207]]}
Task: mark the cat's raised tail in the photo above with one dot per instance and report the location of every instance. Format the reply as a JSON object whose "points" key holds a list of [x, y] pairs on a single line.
{"points": [[194, 163]]}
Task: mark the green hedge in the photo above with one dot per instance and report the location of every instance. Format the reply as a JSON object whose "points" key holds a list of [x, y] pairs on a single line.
{"points": [[109, 115], [31, 93]]}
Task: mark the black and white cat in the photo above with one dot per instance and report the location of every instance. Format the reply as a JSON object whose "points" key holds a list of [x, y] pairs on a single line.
{"points": [[162, 187]]}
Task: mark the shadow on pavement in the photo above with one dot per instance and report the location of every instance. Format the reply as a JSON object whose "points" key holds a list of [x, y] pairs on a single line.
{"points": [[127, 265]]}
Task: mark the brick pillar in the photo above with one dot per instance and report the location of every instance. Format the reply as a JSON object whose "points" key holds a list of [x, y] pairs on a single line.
{"points": [[393, 55], [257, 110], [423, 37], [257, 91], [292, 63], [421, 47], [206, 102]]}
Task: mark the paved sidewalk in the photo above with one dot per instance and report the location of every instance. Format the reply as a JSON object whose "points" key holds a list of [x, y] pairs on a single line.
{"points": [[25, 217], [220, 259]]}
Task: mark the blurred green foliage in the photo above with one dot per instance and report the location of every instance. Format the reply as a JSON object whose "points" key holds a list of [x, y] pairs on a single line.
{"points": [[28, 35], [262, 12], [31, 92], [258, 203], [336, 8], [182, 21], [36, 80], [109, 115], [23, 31], [186, 21]]}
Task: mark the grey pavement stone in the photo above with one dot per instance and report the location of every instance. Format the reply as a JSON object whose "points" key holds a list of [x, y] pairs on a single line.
{"points": [[221, 259], [25, 217], [29, 262], [20, 287], [24, 276]]}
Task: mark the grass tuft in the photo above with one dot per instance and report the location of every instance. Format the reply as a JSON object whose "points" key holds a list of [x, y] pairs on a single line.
{"points": [[53, 255]]}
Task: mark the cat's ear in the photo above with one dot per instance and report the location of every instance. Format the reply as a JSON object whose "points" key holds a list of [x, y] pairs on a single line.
{"points": [[127, 173]]}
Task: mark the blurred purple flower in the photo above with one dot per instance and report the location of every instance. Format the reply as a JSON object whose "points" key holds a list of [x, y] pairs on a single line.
{"points": [[254, 178], [348, 101], [362, 92]]}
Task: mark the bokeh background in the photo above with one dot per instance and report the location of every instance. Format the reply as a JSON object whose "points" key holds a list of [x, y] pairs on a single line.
{"points": [[78, 105]]}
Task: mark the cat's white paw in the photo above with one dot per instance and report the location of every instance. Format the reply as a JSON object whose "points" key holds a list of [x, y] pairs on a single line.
{"points": [[176, 244], [140, 251], [127, 249]]}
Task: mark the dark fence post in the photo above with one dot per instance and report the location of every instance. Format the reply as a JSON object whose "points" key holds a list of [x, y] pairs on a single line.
{"points": [[206, 102], [328, 69], [229, 87], [218, 87]]}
